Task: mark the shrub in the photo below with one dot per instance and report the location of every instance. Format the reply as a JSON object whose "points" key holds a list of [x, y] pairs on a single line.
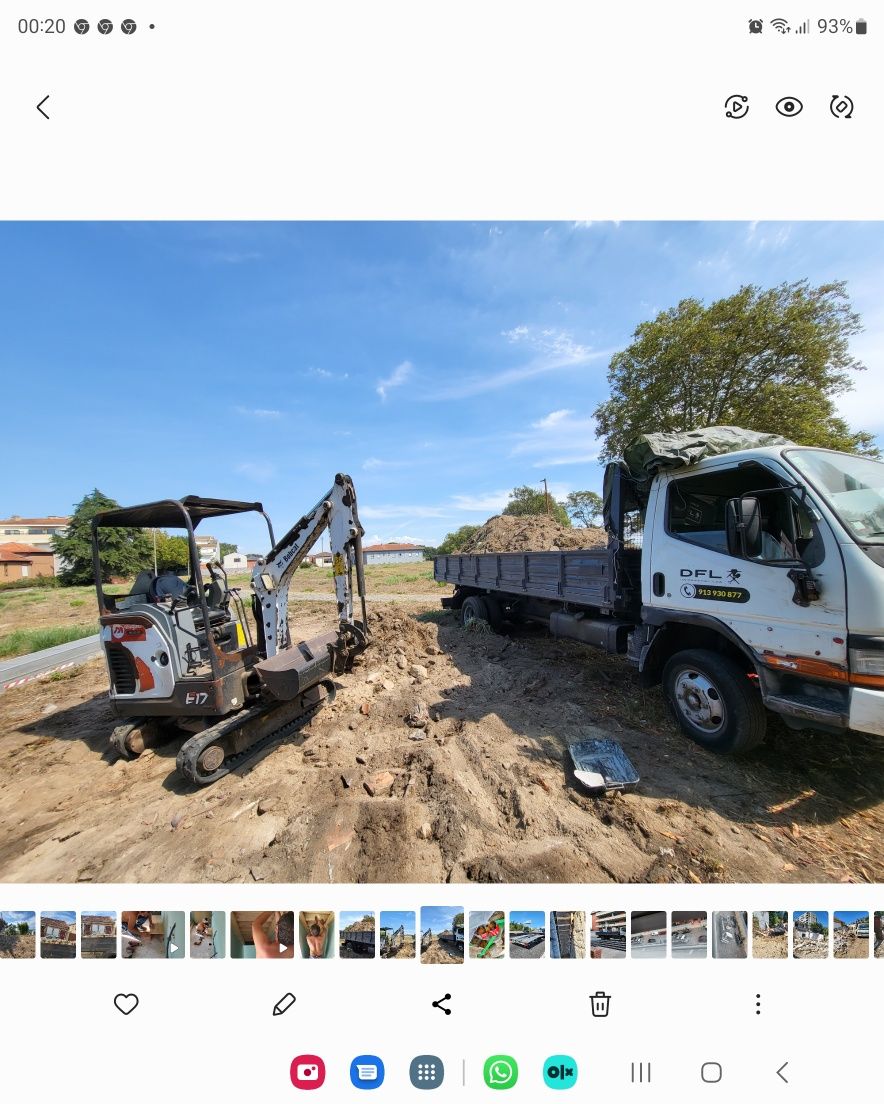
{"points": [[27, 584]]}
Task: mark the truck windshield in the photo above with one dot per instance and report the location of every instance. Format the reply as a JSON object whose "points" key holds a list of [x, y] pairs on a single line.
{"points": [[852, 486]]}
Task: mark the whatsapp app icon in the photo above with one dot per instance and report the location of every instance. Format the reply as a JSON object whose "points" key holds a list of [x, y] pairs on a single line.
{"points": [[500, 1071]]}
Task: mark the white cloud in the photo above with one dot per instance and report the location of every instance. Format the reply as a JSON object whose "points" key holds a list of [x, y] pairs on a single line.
{"points": [[490, 503], [552, 419], [397, 378], [260, 472], [325, 374], [386, 513], [374, 464], [258, 412]]}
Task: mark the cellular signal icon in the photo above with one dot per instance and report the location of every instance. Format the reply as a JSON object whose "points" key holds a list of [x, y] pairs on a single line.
{"points": [[804, 28], [780, 25]]}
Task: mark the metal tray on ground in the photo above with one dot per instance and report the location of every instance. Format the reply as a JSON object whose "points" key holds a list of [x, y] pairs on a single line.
{"points": [[602, 765]]}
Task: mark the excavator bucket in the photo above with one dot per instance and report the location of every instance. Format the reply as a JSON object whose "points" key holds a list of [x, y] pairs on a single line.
{"points": [[291, 672]]}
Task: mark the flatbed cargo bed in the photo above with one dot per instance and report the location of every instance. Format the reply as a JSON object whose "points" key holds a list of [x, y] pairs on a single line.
{"points": [[599, 578]]}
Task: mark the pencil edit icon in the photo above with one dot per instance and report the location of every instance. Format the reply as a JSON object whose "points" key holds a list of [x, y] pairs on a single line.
{"points": [[283, 1004]]}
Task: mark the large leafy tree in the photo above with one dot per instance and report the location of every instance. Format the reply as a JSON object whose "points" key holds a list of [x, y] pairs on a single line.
{"points": [[772, 360], [529, 500], [584, 508], [453, 542], [124, 551]]}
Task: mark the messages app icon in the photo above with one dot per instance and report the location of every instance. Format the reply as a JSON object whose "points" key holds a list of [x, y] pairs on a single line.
{"points": [[500, 1071], [367, 1072]]}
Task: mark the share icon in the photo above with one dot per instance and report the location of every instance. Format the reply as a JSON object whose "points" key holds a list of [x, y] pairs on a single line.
{"points": [[439, 1004]]}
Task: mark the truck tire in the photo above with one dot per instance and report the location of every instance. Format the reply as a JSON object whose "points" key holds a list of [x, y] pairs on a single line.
{"points": [[495, 613], [474, 609], [714, 702]]}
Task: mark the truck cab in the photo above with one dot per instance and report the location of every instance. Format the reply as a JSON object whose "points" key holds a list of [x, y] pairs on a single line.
{"points": [[766, 563]]}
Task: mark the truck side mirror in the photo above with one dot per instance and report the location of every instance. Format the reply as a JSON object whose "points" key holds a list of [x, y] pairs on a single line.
{"points": [[743, 526]]}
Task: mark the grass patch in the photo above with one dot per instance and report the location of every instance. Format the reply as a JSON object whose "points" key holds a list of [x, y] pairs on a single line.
{"points": [[66, 675], [434, 616], [24, 641], [78, 602]]}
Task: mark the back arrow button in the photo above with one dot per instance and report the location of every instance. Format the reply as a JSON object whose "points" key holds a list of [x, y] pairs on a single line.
{"points": [[780, 1074], [40, 107]]}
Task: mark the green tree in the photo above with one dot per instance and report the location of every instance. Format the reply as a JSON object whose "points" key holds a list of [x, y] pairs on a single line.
{"points": [[124, 551], [171, 551], [584, 508], [23, 928], [771, 360], [529, 500], [455, 541], [226, 549], [457, 921]]}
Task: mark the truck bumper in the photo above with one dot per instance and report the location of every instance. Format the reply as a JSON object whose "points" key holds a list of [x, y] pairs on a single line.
{"points": [[867, 710]]}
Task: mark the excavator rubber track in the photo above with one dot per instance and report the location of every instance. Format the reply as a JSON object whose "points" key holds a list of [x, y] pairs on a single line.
{"points": [[218, 750]]}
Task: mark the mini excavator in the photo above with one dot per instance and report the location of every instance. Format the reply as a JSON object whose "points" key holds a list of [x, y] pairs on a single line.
{"points": [[183, 657]]}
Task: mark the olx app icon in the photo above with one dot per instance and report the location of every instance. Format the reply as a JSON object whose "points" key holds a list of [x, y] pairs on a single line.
{"points": [[500, 1072], [560, 1072]]}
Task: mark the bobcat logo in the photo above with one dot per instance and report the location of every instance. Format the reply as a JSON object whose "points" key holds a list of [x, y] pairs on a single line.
{"points": [[733, 575]]}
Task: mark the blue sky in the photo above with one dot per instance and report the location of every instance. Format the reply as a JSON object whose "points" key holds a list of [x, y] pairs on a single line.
{"points": [[396, 920], [438, 917], [19, 918], [850, 917], [534, 919], [68, 917], [353, 917], [439, 364]]}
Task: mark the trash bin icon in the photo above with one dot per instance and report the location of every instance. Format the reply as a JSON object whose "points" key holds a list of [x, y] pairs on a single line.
{"points": [[601, 1004]]}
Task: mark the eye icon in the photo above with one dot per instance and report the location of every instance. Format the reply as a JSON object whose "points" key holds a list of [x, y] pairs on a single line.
{"points": [[790, 106]]}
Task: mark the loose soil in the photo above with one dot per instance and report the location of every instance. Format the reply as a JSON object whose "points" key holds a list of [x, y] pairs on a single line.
{"points": [[441, 951], [406, 950], [852, 948], [476, 785], [13, 945], [770, 946], [531, 533]]}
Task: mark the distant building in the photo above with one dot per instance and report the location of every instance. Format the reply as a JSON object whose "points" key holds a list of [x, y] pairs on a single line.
{"points": [[235, 563], [34, 560], [252, 558], [392, 553], [209, 548], [36, 532], [320, 559]]}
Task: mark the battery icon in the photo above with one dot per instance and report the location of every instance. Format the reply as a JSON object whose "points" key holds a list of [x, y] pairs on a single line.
{"points": [[861, 26]]}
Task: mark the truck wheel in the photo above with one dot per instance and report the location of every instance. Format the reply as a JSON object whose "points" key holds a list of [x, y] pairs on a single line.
{"points": [[714, 702], [495, 613], [474, 609]]}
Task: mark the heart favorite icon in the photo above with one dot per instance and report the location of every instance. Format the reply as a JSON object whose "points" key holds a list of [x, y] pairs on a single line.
{"points": [[126, 1002]]}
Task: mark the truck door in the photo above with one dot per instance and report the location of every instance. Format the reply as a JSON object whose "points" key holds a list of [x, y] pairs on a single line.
{"points": [[693, 572]]}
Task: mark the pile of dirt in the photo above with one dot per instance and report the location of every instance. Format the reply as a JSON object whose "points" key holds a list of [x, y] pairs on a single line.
{"points": [[532, 533], [361, 925]]}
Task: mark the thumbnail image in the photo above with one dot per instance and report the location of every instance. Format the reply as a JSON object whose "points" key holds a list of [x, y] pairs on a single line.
{"points": [[398, 934], [649, 934], [689, 933], [207, 934], [567, 935], [850, 935], [316, 934], [544, 358], [146, 933], [730, 935], [262, 934], [58, 935], [98, 935], [810, 935], [18, 934], [770, 935], [607, 935], [878, 935], [486, 936], [442, 934], [527, 934], [356, 938]]}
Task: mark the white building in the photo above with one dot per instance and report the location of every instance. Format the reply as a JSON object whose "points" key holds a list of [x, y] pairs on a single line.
{"points": [[392, 553], [235, 563]]}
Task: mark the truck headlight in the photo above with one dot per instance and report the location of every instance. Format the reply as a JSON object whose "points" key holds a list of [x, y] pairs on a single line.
{"points": [[867, 667]]}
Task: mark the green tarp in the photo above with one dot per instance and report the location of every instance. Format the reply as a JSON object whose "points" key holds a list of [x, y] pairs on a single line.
{"points": [[653, 452]]}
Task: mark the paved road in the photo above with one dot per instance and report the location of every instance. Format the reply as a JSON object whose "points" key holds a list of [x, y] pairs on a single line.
{"points": [[14, 672]]}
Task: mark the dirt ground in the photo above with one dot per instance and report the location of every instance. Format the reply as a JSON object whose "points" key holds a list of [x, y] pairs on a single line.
{"points": [[770, 946], [441, 951], [482, 791], [406, 950], [13, 945]]}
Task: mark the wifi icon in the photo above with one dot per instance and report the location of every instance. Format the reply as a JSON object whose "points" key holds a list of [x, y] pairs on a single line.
{"points": [[780, 25]]}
